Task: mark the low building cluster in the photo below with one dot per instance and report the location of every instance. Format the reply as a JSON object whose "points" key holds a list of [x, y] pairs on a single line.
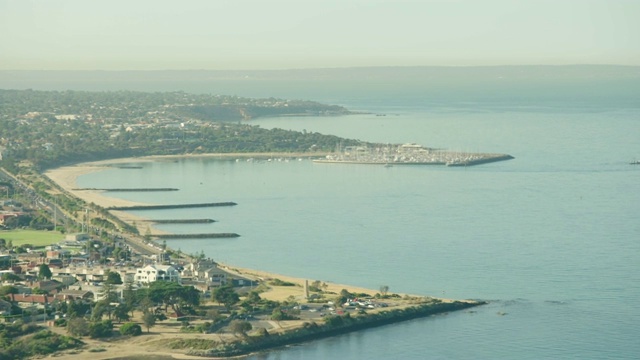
{"points": [[75, 275]]}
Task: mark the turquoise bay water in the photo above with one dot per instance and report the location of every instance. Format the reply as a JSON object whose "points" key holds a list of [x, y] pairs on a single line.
{"points": [[551, 238]]}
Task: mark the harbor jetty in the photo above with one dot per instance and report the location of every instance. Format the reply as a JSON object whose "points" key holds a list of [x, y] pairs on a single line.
{"points": [[181, 221], [175, 206], [196, 236], [408, 154], [127, 189]]}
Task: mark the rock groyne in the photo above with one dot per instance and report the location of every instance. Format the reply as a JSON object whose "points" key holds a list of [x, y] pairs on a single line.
{"points": [[197, 236], [175, 206], [181, 221]]}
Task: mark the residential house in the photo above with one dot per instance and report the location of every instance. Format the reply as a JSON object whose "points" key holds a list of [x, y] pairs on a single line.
{"points": [[32, 300], [70, 295], [65, 279], [93, 273], [4, 217], [157, 272], [50, 286]]}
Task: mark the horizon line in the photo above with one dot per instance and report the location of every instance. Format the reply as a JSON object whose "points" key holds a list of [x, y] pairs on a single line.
{"points": [[323, 68]]}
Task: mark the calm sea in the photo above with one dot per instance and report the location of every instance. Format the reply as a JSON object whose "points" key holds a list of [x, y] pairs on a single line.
{"points": [[551, 238]]}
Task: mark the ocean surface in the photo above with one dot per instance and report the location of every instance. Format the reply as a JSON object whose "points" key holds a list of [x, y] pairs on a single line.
{"points": [[551, 238]]}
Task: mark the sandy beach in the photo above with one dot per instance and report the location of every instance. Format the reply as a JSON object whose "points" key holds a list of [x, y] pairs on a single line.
{"points": [[66, 177]]}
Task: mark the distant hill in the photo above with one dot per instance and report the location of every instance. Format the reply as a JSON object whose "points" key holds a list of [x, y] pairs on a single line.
{"points": [[358, 88], [367, 74]]}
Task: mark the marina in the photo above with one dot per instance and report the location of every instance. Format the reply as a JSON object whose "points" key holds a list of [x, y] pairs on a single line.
{"points": [[409, 154]]}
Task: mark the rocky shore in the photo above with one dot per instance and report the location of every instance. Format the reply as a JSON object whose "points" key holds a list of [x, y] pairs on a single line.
{"points": [[332, 326]]}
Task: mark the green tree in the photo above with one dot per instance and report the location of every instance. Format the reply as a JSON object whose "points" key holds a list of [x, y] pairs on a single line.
{"points": [[149, 320], [100, 329], [78, 327], [240, 327], [129, 296], [147, 234], [146, 304], [117, 253], [10, 277], [98, 311], [342, 298], [109, 296], [113, 278], [226, 296], [44, 272], [173, 294], [121, 313], [251, 301], [108, 292], [132, 329], [78, 308], [277, 314], [8, 290]]}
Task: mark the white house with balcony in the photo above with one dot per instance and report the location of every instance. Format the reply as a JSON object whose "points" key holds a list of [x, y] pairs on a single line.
{"points": [[205, 271], [156, 272]]}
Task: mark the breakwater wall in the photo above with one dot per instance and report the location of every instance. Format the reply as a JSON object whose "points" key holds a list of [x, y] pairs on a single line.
{"points": [[129, 189], [197, 236], [364, 162], [176, 206], [181, 221], [449, 160], [482, 160], [335, 325]]}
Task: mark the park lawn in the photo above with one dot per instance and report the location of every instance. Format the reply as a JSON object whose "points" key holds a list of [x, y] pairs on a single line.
{"points": [[37, 238]]}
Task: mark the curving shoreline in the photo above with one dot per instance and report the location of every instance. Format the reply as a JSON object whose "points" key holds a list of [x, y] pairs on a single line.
{"points": [[66, 178]]}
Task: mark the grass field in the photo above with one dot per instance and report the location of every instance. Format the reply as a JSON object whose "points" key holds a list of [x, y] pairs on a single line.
{"points": [[33, 237]]}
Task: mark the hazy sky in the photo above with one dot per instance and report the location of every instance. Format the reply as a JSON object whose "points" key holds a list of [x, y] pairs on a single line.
{"points": [[285, 34]]}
